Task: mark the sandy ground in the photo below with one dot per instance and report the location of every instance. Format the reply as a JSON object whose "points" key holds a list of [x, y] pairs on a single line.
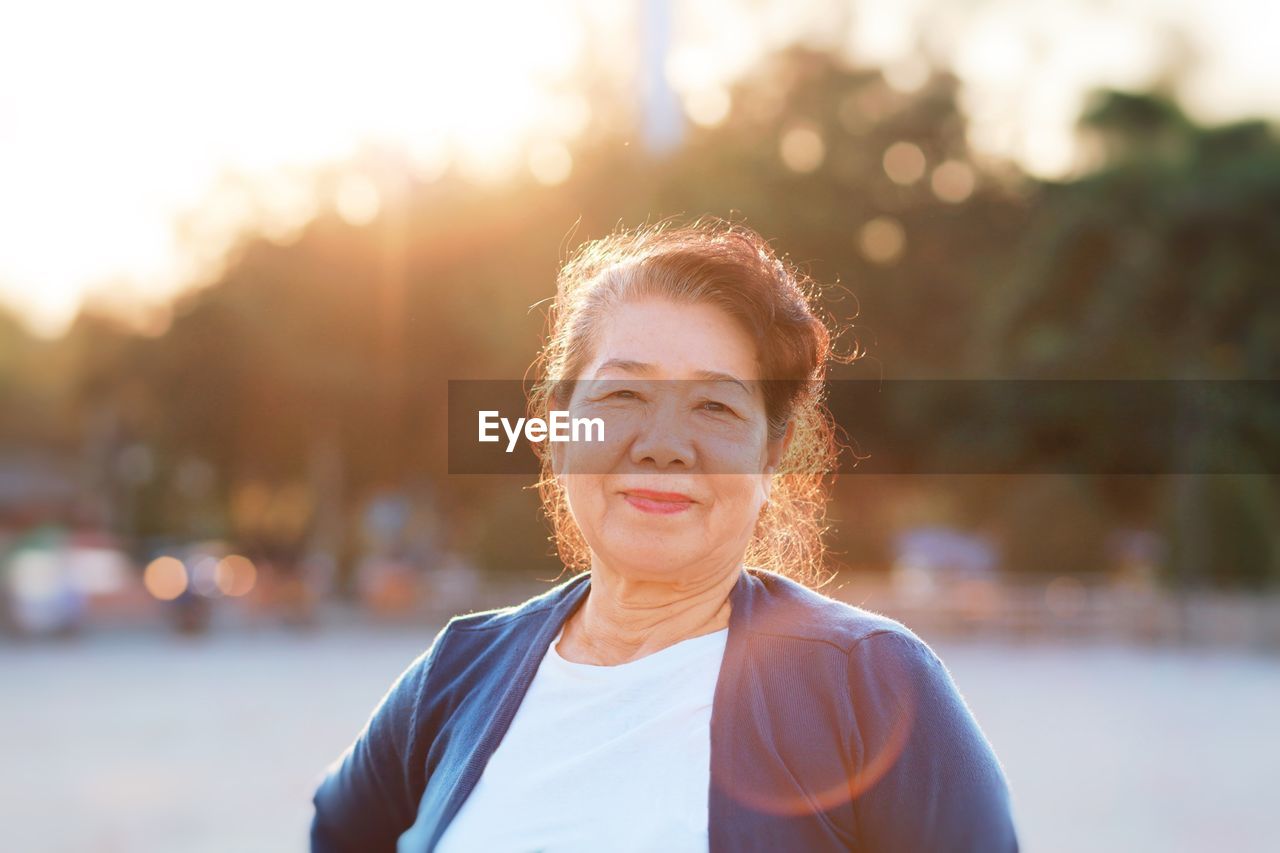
{"points": [[141, 741]]}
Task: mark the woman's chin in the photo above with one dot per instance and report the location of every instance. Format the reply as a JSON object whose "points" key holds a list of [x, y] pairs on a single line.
{"points": [[651, 560]]}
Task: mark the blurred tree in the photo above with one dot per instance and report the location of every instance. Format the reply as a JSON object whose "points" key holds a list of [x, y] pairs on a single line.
{"points": [[325, 360], [1178, 225], [1159, 263]]}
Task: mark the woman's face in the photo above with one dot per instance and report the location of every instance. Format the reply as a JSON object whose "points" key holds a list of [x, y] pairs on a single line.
{"points": [[673, 491]]}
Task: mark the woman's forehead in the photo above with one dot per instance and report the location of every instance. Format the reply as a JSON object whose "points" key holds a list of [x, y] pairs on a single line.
{"points": [[663, 339]]}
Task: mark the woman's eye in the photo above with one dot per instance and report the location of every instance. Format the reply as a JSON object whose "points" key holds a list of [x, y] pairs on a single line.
{"points": [[623, 394], [716, 406]]}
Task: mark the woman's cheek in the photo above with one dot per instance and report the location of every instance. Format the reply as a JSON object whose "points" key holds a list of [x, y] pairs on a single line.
{"points": [[585, 496], [733, 454], [603, 455]]}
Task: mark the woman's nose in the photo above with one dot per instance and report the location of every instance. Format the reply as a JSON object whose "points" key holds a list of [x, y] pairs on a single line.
{"points": [[663, 439]]}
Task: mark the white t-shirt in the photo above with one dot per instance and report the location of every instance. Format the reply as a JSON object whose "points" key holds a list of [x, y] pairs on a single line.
{"points": [[613, 758]]}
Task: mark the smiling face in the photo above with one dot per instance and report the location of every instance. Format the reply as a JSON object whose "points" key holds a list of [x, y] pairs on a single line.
{"points": [[674, 491]]}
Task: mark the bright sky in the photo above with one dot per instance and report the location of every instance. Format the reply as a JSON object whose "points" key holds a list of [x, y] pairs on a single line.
{"points": [[138, 137]]}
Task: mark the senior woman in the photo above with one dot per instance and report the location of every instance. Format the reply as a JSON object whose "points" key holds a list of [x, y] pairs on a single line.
{"points": [[685, 690]]}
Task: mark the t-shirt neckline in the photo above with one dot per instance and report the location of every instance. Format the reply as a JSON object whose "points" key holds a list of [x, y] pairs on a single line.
{"points": [[673, 654]]}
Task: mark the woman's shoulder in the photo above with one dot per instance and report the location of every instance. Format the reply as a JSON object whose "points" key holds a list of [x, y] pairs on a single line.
{"points": [[898, 686], [782, 607], [519, 615], [499, 637], [874, 655]]}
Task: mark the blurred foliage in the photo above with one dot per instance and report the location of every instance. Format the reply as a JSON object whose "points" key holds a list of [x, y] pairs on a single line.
{"points": [[1155, 263], [1159, 264]]}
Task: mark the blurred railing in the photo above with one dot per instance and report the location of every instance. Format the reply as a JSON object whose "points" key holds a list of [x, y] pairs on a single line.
{"points": [[1071, 609], [85, 589]]}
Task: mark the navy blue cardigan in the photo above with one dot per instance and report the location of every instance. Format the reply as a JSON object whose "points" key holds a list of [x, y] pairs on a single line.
{"points": [[831, 729]]}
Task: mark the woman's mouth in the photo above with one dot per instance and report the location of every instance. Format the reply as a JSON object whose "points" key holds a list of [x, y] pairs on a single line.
{"points": [[658, 503]]}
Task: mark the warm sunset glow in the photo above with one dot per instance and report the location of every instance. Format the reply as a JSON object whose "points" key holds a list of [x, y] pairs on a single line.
{"points": [[358, 200], [113, 130], [550, 163], [139, 139]]}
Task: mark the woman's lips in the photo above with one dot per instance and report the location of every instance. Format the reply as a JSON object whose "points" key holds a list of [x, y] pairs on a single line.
{"points": [[658, 503]]}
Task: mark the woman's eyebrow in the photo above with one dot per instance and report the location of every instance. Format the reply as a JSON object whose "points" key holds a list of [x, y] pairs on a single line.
{"points": [[626, 365], [629, 366], [717, 376]]}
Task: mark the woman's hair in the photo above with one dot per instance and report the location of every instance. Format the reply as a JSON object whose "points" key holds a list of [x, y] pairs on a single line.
{"points": [[729, 266]]}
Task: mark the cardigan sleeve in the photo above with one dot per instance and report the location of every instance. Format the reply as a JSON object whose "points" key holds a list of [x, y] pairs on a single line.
{"points": [[927, 778], [369, 795]]}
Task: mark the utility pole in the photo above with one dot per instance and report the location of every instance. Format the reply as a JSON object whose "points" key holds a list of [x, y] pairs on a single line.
{"points": [[663, 116]]}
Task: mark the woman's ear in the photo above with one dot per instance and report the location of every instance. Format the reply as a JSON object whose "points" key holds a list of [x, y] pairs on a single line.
{"points": [[777, 448]]}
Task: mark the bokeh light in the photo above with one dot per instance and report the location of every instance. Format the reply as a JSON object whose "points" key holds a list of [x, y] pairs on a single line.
{"points": [[165, 578], [904, 163], [236, 575], [357, 200], [882, 240], [708, 106], [953, 181], [908, 75], [550, 163], [802, 148], [204, 576]]}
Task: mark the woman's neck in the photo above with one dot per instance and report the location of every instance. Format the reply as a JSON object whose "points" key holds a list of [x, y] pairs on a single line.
{"points": [[623, 619]]}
